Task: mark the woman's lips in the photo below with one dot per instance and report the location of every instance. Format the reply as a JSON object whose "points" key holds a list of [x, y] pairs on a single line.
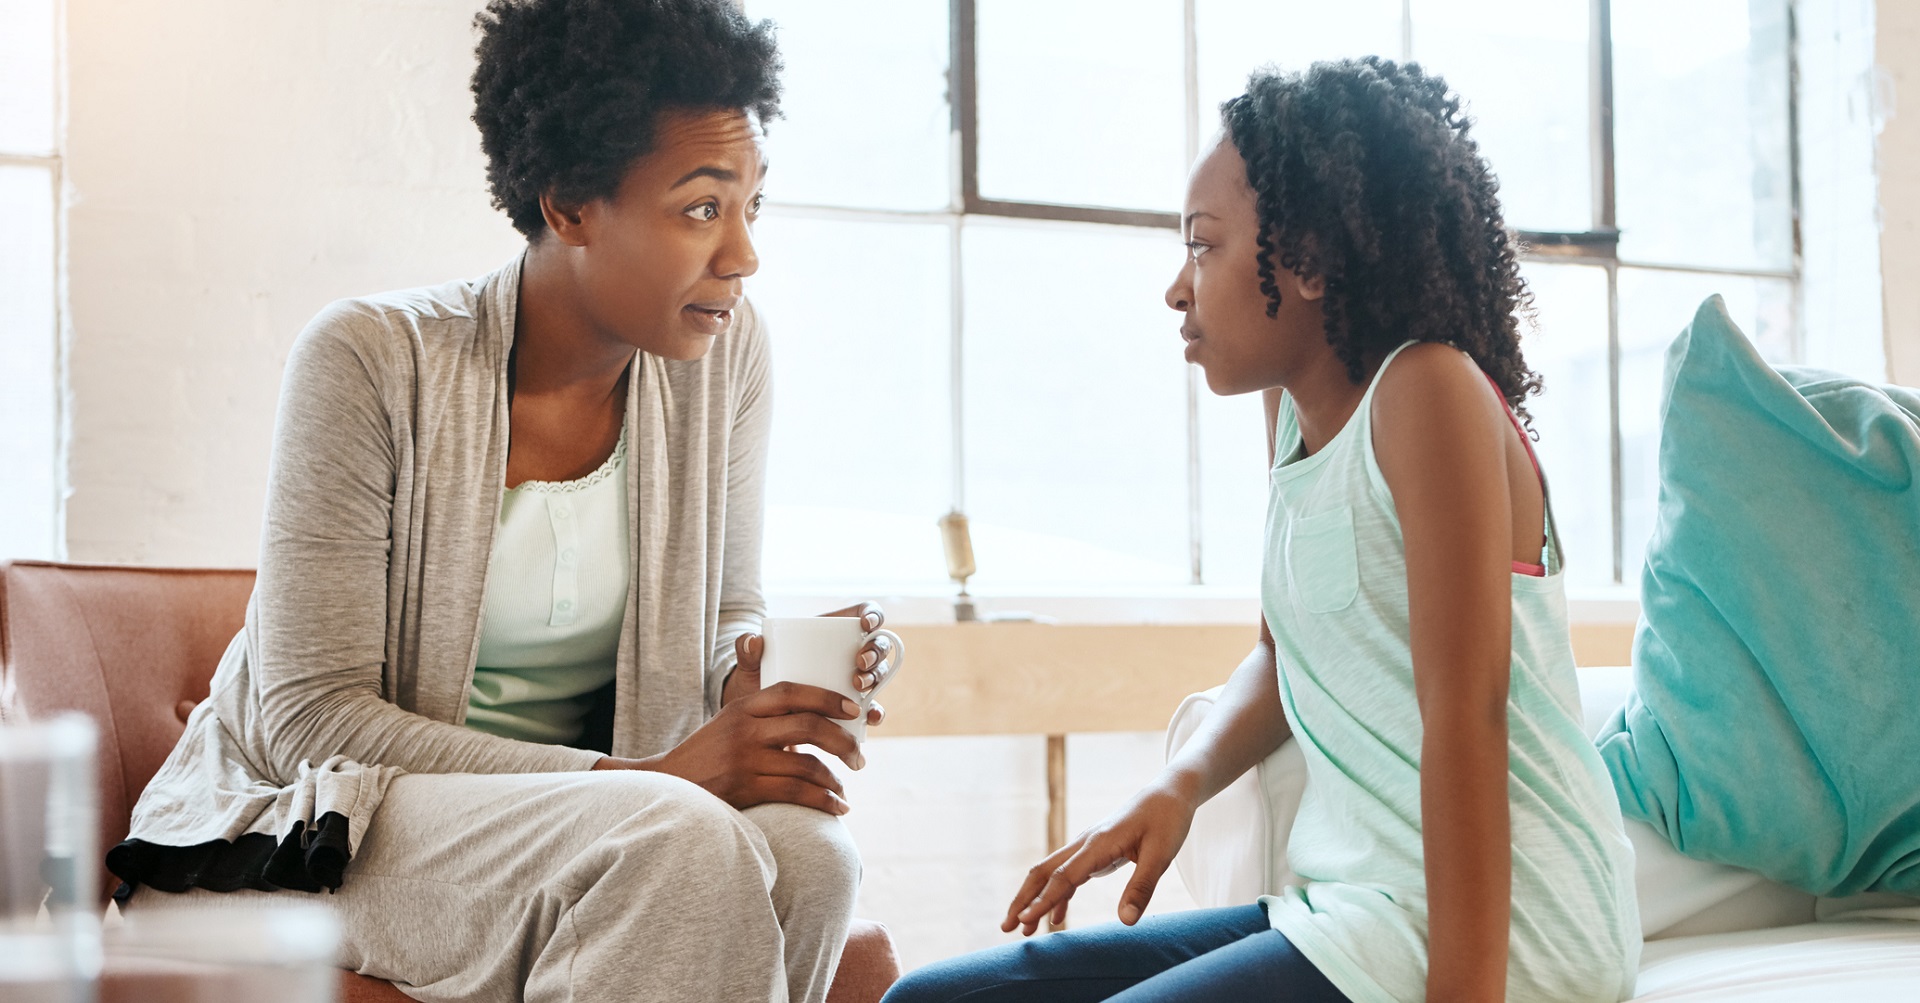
{"points": [[708, 321]]}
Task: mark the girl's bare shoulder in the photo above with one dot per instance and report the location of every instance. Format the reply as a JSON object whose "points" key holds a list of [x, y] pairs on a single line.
{"points": [[1433, 402]]}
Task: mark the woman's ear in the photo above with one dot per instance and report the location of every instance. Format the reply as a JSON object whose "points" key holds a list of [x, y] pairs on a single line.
{"points": [[563, 220], [1311, 287]]}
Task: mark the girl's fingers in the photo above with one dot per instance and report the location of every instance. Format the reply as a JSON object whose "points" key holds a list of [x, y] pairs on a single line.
{"points": [[1037, 876], [1064, 881], [1028, 888], [876, 715], [1147, 872]]}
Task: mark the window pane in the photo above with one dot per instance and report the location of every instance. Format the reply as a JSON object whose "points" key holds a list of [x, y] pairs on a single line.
{"points": [[1654, 306], [26, 76], [27, 369], [1076, 407], [866, 118], [1707, 180], [1841, 295], [1521, 67], [1234, 37], [1080, 102], [1233, 489], [1571, 414], [858, 314]]}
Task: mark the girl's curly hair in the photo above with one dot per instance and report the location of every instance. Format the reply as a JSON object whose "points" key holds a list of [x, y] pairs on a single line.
{"points": [[1363, 173]]}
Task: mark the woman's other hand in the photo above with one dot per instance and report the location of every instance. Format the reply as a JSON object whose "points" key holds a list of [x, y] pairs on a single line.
{"points": [[1148, 831], [872, 656]]}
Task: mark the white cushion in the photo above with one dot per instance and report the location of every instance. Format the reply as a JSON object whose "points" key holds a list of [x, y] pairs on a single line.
{"points": [[1681, 896], [1237, 848], [1856, 962]]}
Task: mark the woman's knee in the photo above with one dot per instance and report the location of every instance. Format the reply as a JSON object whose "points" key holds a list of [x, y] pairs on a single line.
{"points": [[809, 845], [672, 823]]}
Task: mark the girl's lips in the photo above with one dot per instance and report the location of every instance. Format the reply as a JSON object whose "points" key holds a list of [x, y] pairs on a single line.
{"points": [[1193, 350]]}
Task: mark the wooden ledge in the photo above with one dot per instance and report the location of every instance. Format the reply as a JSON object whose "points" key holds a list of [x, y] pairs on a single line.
{"points": [[1039, 679]]}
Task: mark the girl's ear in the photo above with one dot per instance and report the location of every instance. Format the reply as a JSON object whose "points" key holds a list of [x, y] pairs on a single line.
{"points": [[1312, 287]]}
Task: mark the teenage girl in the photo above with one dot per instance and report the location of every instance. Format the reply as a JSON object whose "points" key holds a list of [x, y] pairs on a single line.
{"points": [[1458, 838]]}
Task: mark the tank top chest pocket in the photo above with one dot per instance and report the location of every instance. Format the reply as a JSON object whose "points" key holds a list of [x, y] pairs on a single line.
{"points": [[1323, 565]]}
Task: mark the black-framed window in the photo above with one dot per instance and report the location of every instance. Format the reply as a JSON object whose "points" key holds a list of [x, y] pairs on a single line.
{"points": [[973, 213]]}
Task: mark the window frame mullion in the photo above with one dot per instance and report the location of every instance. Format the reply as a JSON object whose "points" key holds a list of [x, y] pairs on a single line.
{"points": [[1606, 220]]}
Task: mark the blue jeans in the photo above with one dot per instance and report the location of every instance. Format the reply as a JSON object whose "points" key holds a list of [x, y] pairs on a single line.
{"points": [[1186, 957]]}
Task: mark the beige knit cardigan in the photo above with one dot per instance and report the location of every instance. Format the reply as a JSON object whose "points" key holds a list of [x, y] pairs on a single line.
{"points": [[389, 457]]}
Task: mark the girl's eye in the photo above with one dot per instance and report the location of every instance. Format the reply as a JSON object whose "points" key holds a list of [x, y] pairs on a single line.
{"points": [[753, 209], [1195, 249], [705, 212]]}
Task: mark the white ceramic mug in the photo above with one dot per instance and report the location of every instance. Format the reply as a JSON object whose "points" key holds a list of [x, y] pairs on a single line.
{"points": [[819, 651]]}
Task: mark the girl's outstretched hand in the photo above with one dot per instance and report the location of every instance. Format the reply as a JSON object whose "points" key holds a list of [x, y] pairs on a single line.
{"points": [[1148, 831]]}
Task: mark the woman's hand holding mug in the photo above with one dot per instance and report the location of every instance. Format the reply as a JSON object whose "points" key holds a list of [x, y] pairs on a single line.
{"points": [[871, 670], [745, 754]]}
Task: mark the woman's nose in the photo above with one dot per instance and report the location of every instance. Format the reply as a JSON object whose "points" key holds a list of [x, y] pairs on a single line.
{"points": [[736, 258]]}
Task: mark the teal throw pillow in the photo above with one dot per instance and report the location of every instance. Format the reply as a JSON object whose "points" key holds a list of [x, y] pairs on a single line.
{"points": [[1776, 719]]}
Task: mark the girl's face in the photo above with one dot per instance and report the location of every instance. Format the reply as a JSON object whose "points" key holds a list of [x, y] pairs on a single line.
{"points": [[1227, 329], [665, 258]]}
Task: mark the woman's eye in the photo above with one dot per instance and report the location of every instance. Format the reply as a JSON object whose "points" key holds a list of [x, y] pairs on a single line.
{"points": [[1195, 249], [705, 211], [753, 208]]}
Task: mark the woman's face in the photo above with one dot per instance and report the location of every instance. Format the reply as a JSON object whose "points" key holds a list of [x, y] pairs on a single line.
{"points": [[662, 262], [1227, 329]]}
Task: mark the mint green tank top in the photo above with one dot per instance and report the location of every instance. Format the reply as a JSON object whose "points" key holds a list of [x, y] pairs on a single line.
{"points": [[556, 598], [1334, 589]]}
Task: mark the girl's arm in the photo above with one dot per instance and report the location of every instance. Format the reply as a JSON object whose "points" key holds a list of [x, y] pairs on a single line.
{"points": [[1440, 437], [1245, 727]]}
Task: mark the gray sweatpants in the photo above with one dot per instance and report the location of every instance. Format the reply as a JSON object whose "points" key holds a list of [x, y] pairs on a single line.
{"points": [[611, 885]]}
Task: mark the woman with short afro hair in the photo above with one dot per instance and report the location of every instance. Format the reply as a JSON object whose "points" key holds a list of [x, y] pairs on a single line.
{"points": [[498, 688]]}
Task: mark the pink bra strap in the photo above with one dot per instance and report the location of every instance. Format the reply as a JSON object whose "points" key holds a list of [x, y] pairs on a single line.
{"points": [[1522, 567], [1524, 441]]}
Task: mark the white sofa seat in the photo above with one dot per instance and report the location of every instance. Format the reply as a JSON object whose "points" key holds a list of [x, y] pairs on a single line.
{"points": [[1714, 932]]}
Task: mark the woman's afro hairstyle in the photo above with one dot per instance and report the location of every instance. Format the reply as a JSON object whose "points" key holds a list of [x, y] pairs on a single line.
{"points": [[567, 92], [1364, 173]]}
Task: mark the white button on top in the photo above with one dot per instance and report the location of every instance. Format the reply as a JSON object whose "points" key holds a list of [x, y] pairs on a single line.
{"points": [[560, 512], [566, 556], [563, 605]]}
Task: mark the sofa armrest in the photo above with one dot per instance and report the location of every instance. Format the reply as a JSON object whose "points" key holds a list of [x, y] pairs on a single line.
{"points": [[1237, 848]]}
